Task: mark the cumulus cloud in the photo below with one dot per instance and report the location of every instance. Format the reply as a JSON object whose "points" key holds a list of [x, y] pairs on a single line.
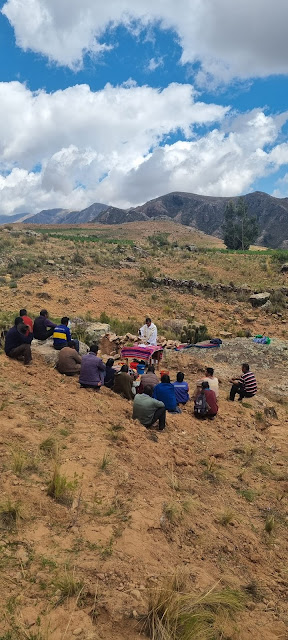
{"points": [[75, 146], [229, 38]]}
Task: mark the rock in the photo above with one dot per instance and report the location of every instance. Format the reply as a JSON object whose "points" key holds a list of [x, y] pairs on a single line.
{"points": [[250, 319], [51, 262], [259, 299], [94, 330], [77, 632], [191, 247], [45, 350], [267, 305], [136, 594], [270, 413], [284, 268], [225, 334]]}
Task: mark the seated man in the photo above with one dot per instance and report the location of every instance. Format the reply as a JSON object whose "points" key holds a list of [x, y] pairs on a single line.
{"points": [[43, 328], [69, 361], [148, 410], [17, 342], [205, 404], [246, 386], [123, 383], [62, 334], [26, 320], [92, 370], [213, 381], [165, 392], [148, 333], [149, 379], [109, 374], [181, 389]]}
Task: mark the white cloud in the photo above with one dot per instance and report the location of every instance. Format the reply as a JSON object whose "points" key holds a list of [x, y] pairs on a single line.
{"points": [[229, 38], [78, 137], [110, 146], [155, 63]]}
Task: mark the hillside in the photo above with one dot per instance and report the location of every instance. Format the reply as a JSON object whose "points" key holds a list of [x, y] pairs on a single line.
{"points": [[206, 213], [205, 501]]}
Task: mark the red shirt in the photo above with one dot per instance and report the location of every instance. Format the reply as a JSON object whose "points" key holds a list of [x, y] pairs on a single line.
{"points": [[212, 401], [29, 323]]}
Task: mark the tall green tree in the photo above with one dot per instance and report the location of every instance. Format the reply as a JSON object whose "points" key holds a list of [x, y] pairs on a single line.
{"points": [[239, 229]]}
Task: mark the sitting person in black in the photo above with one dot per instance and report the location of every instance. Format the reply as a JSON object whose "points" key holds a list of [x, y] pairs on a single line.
{"points": [[110, 374]]}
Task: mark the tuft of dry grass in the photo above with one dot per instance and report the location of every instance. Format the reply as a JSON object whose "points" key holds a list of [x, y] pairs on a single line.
{"points": [[10, 514], [68, 585], [226, 517], [174, 613], [61, 489]]}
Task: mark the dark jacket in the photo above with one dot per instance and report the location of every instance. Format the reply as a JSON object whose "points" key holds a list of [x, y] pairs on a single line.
{"points": [[165, 392], [109, 377], [14, 339], [41, 324], [68, 361], [92, 370], [212, 401], [123, 385]]}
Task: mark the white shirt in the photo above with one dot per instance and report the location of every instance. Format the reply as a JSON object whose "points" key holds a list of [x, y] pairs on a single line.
{"points": [[213, 384], [149, 334]]}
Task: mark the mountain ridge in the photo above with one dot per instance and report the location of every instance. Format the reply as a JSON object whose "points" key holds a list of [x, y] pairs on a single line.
{"points": [[204, 213]]}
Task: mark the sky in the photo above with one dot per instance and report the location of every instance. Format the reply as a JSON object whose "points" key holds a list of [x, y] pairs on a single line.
{"points": [[120, 101]]}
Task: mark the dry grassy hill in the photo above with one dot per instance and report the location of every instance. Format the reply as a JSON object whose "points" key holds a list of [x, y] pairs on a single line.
{"points": [[129, 507]]}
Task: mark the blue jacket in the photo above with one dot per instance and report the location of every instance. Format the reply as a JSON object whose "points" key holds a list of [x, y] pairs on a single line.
{"points": [[181, 391], [166, 393], [14, 339], [61, 335]]}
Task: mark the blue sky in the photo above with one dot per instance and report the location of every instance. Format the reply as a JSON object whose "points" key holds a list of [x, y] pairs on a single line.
{"points": [[168, 104]]}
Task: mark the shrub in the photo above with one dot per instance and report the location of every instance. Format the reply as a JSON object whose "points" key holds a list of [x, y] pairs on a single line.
{"points": [[10, 513], [68, 586], [77, 258], [176, 614]]}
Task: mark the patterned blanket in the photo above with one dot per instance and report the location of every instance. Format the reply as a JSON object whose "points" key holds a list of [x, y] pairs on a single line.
{"points": [[143, 353]]}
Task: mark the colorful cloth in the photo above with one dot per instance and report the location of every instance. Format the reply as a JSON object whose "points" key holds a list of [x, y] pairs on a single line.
{"points": [[143, 353]]}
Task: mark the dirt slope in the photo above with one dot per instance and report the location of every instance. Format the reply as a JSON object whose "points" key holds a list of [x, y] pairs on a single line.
{"points": [[154, 506]]}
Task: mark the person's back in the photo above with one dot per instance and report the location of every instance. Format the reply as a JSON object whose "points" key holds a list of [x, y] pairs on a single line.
{"points": [[248, 380], [144, 408], [109, 374], [165, 392], [69, 361], [17, 342], [149, 379], [43, 328], [211, 401], [181, 389], [61, 335], [92, 369], [26, 320], [123, 383], [213, 384]]}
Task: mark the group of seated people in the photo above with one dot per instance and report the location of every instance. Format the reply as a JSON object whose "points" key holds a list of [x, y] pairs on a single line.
{"points": [[152, 397]]}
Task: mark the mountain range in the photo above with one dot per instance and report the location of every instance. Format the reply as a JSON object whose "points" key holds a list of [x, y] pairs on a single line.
{"points": [[200, 212]]}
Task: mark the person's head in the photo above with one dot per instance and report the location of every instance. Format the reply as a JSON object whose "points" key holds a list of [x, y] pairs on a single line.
{"points": [[18, 321], [148, 391], [245, 367], [209, 372], [94, 348], [65, 320], [72, 344], [205, 385], [148, 321], [165, 378], [151, 368], [110, 362], [44, 313], [124, 368], [180, 376], [23, 312]]}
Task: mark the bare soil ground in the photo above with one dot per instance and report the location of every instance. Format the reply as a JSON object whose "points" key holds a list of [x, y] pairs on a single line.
{"points": [[207, 499]]}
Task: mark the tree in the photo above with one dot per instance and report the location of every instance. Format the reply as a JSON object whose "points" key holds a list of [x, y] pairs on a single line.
{"points": [[239, 229]]}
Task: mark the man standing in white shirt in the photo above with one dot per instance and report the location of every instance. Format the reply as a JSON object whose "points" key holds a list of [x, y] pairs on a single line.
{"points": [[148, 333]]}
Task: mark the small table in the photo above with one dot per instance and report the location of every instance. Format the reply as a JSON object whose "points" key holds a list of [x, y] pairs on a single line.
{"points": [[147, 353]]}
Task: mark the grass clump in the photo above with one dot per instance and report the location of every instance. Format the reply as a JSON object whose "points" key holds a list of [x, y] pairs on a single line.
{"points": [[270, 524], [10, 514], [68, 586], [172, 512], [105, 462], [226, 517], [174, 613], [248, 494], [61, 489], [49, 448], [19, 462]]}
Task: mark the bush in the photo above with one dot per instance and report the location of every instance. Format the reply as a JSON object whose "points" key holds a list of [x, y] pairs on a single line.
{"points": [[77, 258], [61, 489]]}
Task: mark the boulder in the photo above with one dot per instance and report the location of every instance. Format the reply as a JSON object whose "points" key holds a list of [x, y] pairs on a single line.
{"points": [[225, 334], [48, 353], [258, 299], [191, 247], [284, 268], [94, 330]]}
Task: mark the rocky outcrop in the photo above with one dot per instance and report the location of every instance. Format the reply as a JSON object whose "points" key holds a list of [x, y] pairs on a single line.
{"points": [[259, 299]]}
